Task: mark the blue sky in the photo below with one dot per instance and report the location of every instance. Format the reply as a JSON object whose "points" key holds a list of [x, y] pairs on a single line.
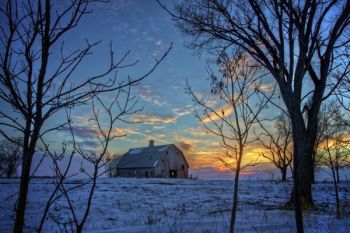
{"points": [[146, 30]]}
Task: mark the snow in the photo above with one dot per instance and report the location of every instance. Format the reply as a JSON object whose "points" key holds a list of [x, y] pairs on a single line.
{"points": [[155, 163], [135, 151], [175, 205], [163, 148]]}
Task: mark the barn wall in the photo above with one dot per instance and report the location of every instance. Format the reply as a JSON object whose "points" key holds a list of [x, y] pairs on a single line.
{"points": [[161, 168], [175, 161], [137, 172]]}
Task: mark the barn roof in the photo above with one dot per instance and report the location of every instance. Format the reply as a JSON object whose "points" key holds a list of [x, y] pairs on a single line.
{"points": [[142, 157]]}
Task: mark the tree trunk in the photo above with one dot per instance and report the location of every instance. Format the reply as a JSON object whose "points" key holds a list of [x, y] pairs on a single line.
{"points": [[23, 191], [304, 180], [335, 182], [303, 152], [313, 169], [235, 202], [337, 174], [283, 174], [9, 172], [305, 177], [337, 199], [29, 143], [79, 229], [298, 149]]}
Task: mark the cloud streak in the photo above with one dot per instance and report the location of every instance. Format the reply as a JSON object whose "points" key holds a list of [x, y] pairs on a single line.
{"points": [[149, 119], [222, 111], [146, 94]]}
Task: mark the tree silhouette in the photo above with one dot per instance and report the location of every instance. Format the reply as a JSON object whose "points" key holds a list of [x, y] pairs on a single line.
{"points": [[237, 90], [279, 144], [302, 44], [33, 87]]}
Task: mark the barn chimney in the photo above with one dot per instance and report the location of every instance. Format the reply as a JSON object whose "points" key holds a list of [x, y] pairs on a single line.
{"points": [[151, 142]]}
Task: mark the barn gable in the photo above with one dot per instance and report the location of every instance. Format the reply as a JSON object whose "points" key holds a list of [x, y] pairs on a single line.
{"points": [[154, 161]]}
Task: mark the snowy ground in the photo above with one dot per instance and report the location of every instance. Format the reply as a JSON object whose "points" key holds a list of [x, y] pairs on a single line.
{"points": [[169, 205]]}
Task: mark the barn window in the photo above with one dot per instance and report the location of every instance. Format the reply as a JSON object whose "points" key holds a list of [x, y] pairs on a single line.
{"points": [[183, 167], [162, 160], [167, 152]]}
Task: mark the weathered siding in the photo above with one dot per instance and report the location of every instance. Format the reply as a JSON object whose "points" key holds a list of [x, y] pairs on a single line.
{"points": [[137, 172], [160, 168], [175, 161]]}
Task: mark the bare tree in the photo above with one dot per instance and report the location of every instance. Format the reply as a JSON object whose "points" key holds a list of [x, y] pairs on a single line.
{"points": [[112, 164], [233, 122], [279, 144], [10, 157], [33, 88], [298, 42], [333, 151], [106, 116]]}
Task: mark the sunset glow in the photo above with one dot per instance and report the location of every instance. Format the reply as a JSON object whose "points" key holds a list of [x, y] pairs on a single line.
{"points": [[166, 110]]}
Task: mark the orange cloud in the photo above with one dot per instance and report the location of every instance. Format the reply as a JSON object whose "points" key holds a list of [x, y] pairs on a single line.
{"points": [[186, 146], [224, 110]]}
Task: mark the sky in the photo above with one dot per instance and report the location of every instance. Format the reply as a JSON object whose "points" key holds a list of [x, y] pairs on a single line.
{"points": [[146, 30]]}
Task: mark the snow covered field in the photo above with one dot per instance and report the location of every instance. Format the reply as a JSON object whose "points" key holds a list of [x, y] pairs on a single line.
{"points": [[170, 205]]}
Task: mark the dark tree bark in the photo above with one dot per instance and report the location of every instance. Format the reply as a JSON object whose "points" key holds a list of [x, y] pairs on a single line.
{"points": [[283, 174], [313, 170], [235, 201]]}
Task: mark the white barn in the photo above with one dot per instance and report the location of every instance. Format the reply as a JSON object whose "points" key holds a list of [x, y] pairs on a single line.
{"points": [[164, 161]]}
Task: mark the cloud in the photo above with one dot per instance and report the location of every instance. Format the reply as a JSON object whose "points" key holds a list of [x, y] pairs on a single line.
{"points": [[196, 131], [159, 137], [179, 112], [186, 146], [152, 119], [266, 87], [86, 144], [147, 95], [222, 111], [159, 126], [81, 120], [82, 131], [118, 132]]}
